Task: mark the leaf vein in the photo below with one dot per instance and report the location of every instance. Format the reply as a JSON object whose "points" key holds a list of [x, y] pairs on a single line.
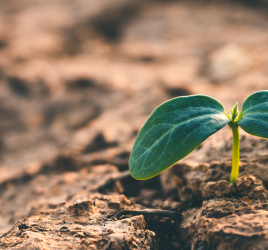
{"points": [[168, 132]]}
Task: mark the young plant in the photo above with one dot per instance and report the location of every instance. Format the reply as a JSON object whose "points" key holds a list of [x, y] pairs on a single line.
{"points": [[180, 125]]}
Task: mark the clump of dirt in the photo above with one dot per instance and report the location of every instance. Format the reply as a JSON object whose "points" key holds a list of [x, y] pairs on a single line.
{"points": [[233, 232], [220, 219], [251, 187], [217, 189], [83, 225]]}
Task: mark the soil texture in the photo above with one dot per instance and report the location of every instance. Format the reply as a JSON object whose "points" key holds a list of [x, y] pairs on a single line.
{"points": [[77, 81]]}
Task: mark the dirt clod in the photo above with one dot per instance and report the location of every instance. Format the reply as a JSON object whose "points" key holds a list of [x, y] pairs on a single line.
{"points": [[217, 189], [252, 187], [72, 223]]}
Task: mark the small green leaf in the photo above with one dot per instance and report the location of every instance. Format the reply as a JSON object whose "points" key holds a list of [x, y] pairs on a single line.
{"points": [[173, 131], [254, 114], [234, 112]]}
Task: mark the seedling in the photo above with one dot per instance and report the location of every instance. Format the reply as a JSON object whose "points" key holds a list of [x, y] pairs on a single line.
{"points": [[180, 125]]}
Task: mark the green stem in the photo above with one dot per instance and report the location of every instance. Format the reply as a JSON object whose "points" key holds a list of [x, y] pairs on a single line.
{"points": [[235, 161]]}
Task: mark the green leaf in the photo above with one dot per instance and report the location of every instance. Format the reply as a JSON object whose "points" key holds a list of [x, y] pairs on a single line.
{"points": [[174, 130], [254, 114]]}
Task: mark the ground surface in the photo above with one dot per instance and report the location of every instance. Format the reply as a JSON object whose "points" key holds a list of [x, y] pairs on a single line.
{"points": [[77, 81]]}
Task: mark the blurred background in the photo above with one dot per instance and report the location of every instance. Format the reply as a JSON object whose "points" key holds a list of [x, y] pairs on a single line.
{"points": [[79, 78]]}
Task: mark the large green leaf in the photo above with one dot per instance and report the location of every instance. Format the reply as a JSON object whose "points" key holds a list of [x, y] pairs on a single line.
{"points": [[174, 130], [254, 114]]}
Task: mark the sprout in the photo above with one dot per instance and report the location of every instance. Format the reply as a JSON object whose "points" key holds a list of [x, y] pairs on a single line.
{"points": [[180, 125]]}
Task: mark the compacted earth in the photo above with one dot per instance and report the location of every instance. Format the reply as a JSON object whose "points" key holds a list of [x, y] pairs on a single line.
{"points": [[77, 81]]}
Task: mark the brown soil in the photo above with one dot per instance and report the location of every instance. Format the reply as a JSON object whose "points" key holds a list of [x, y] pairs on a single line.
{"points": [[77, 81]]}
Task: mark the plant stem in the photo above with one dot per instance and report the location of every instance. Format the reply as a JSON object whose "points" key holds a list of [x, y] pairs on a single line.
{"points": [[235, 160]]}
